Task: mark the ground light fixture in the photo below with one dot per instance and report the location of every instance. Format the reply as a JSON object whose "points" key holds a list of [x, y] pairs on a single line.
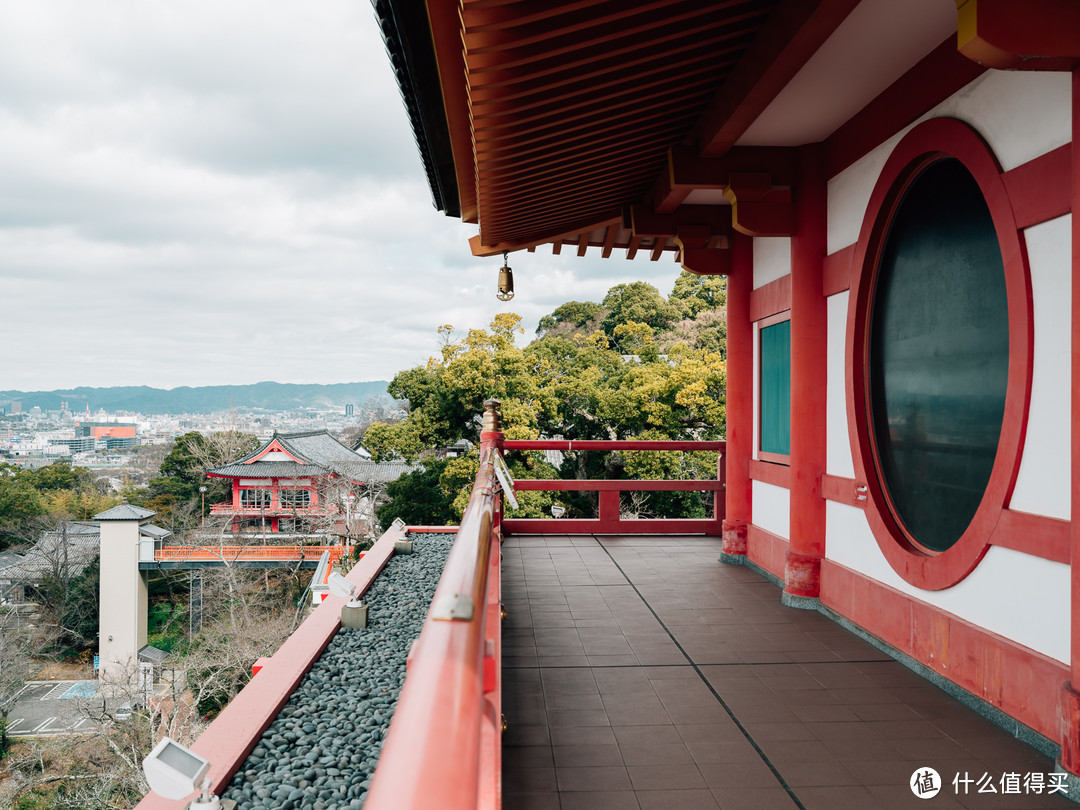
{"points": [[557, 510], [506, 281], [174, 772], [353, 614]]}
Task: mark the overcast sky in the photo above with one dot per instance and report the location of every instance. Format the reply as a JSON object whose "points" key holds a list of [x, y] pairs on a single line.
{"points": [[227, 191]]}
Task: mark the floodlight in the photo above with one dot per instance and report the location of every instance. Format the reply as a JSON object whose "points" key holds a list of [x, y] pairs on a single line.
{"points": [[398, 524], [175, 772], [339, 586]]}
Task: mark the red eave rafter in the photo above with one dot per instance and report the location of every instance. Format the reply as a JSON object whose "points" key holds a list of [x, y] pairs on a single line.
{"points": [[573, 105]]}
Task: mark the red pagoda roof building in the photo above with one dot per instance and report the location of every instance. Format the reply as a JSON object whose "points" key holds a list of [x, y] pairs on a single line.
{"points": [[297, 483]]}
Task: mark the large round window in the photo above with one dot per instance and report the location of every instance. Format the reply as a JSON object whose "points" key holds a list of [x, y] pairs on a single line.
{"points": [[938, 355], [940, 349]]}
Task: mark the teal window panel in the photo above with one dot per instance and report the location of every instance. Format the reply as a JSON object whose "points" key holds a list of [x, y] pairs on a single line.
{"points": [[776, 388]]}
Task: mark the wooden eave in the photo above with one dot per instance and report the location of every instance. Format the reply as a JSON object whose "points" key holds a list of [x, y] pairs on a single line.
{"points": [[562, 113]]}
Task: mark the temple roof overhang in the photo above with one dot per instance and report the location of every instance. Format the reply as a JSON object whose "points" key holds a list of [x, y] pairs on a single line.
{"points": [[663, 126]]}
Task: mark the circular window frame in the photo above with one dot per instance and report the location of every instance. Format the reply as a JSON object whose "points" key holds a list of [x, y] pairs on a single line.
{"points": [[927, 143]]}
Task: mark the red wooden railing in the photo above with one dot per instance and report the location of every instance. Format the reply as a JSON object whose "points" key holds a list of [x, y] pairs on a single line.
{"points": [[609, 520], [275, 509], [230, 554], [444, 745]]}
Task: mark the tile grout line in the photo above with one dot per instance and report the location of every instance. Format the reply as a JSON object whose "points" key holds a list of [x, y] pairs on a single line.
{"points": [[745, 732]]}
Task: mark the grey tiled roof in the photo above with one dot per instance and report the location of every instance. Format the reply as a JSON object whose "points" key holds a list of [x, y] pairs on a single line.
{"points": [[318, 452], [126, 511], [156, 532], [269, 469]]}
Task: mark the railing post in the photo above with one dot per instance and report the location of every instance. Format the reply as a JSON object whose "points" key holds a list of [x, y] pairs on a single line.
{"points": [[491, 434]]}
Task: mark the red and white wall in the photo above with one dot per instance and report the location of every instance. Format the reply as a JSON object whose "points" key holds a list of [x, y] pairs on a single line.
{"points": [[1002, 631]]}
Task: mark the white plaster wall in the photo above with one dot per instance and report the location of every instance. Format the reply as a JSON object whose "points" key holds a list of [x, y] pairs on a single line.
{"points": [[772, 507], [772, 259], [1042, 486], [993, 596], [1020, 114], [838, 459]]}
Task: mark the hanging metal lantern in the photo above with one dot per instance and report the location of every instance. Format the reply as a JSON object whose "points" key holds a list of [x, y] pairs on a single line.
{"points": [[506, 281]]}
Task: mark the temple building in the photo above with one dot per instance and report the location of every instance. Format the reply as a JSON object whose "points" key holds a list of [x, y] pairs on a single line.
{"points": [[301, 483], [889, 189]]}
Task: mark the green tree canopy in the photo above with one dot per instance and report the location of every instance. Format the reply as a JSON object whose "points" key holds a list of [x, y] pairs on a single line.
{"points": [[637, 301]]}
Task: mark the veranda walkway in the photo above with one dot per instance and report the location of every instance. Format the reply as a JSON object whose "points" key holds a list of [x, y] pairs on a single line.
{"points": [[641, 673]]}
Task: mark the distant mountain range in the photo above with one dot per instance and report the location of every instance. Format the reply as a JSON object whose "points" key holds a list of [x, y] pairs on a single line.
{"points": [[269, 396]]}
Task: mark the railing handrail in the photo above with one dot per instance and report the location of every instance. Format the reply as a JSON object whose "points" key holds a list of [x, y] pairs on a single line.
{"points": [[568, 445], [245, 552], [431, 757]]}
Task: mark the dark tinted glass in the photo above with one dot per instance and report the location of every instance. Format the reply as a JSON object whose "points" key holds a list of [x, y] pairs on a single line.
{"points": [[776, 388], [939, 354]]}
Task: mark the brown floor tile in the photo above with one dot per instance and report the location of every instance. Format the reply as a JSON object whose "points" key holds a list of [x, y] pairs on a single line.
{"points": [[598, 800], [655, 754], [528, 780], [677, 800], [755, 798], [665, 777], [852, 797], [580, 756], [608, 712], [593, 778]]}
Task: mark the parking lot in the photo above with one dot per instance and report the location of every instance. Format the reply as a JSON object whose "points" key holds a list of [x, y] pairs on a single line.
{"points": [[53, 707]]}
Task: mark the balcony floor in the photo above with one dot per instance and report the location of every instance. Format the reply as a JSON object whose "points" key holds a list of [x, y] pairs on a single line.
{"points": [[639, 672]]}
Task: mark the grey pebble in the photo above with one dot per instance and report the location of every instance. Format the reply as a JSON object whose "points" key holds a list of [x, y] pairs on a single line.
{"points": [[321, 750]]}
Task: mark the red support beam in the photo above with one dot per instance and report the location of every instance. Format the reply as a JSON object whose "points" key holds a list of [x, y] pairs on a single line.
{"points": [[740, 399], [802, 574], [1070, 698]]}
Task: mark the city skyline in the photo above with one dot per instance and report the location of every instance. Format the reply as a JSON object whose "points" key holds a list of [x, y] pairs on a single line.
{"points": [[214, 195]]}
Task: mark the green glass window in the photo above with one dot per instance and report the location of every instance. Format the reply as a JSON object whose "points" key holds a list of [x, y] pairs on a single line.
{"points": [[938, 355], [776, 388]]}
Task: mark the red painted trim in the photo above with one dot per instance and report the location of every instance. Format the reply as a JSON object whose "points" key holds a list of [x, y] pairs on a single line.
{"points": [[1040, 189], [1021, 682], [1044, 36], [740, 380], [809, 363], [431, 529], [655, 526], [636, 444], [774, 458], [938, 76], [1074, 534], [843, 490], [623, 485], [766, 550], [771, 299], [836, 277], [927, 142], [776, 474], [229, 739], [1036, 535], [275, 447]]}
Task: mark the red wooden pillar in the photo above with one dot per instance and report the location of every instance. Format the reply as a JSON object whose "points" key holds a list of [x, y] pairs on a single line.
{"points": [[1070, 699], [740, 400], [491, 433], [802, 569]]}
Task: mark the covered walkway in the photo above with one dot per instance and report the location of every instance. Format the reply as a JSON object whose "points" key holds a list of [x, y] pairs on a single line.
{"points": [[641, 673]]}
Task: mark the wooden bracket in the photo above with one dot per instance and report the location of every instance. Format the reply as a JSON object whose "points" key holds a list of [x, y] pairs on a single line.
{"points": [[1033, 35]]}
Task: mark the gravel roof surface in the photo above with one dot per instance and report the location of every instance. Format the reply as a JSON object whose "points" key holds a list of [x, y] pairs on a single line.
{"points": [[320, 751]]}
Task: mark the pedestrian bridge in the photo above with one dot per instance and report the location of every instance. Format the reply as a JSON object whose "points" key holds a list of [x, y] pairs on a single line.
{"points": [[262, 556]]}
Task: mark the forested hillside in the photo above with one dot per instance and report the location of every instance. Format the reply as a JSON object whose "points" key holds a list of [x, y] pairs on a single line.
{"points": [[635, 365]]}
